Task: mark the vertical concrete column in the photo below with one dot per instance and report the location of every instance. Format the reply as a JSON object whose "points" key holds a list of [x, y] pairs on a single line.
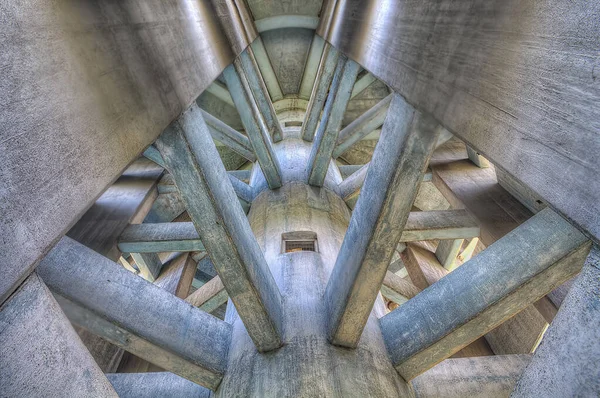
{"points": [[307, 365], [40, 352]]}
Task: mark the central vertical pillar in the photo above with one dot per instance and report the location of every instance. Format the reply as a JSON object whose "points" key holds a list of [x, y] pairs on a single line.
{"points": [[307, 365]]}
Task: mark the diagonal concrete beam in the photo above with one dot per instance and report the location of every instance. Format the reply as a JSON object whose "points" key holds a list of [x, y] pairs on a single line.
{"points": [[90, 289], [210, 296], [253, 124], [322, 81], [502, 280], [397, 168], [398, 289], [367, 122], [266, 69], [154, 155], [201, 178], [362, 83], [249, 66], [149, 265], [333, 113], [226, 135], [311, 67]]}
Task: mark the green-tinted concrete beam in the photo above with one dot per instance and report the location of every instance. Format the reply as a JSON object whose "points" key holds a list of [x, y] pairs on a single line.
{"points": [[226, 135], [190, 154], [509, 275], [399, 162], [333, 113], [140, 317], [260, 92], [367, 122], [253, 124], [322, 81]]}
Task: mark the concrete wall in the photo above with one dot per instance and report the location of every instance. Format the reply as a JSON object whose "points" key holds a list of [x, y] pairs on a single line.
{"points": [[84, 88]]}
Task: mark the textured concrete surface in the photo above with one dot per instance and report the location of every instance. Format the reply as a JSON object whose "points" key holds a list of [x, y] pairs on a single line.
{"points": [[155, 385], [306, 365], [485, 377], [142, 318], [80, 101], [495, 74], [512, 273], [40, 352], [566, 364]]}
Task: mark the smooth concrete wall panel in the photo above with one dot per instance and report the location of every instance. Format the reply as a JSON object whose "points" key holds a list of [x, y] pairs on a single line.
{"points": [[517, 80], [40, 353], [84, 88], [155, 385]]}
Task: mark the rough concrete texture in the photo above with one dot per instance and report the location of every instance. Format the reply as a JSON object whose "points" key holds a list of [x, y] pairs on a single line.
{"points": [[489, 377], [80, 101], [496, 74], [142, 318], [40, 353], [307, 365], [567, 362], [155, 385]]}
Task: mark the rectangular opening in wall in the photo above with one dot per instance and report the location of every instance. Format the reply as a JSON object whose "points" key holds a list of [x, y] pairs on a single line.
{"points": [[293, 124], [299, 241]]}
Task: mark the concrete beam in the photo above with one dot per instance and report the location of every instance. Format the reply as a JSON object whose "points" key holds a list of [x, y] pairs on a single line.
{"points": [[242, 190], [333, 113], [266, 69], [177, 275], [398, 289], [210, 296], [89, 288], [398, 165], [226, 135], [491, 376], [154, 155], [311, 67], [155, 384], [192, 157], [219, 90], [367, 122], [507, 123], [440, 224], [566, 362], [42, 356], [350, 187], [252, 75], [103, 103], [253, 124], [477, 159], [162, 237], [320, 88], [501, 281], [362, 83], [149, 265], [447, 251]]}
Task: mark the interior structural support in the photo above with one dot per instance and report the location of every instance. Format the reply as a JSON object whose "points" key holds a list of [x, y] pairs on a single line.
{"points": [[509, 275], [327, 133], [254, 124], [199, 174], [233, 139], [358, 129], [397, 168], [261, 94], [322, 81], [566, 362], [143, 318]]}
